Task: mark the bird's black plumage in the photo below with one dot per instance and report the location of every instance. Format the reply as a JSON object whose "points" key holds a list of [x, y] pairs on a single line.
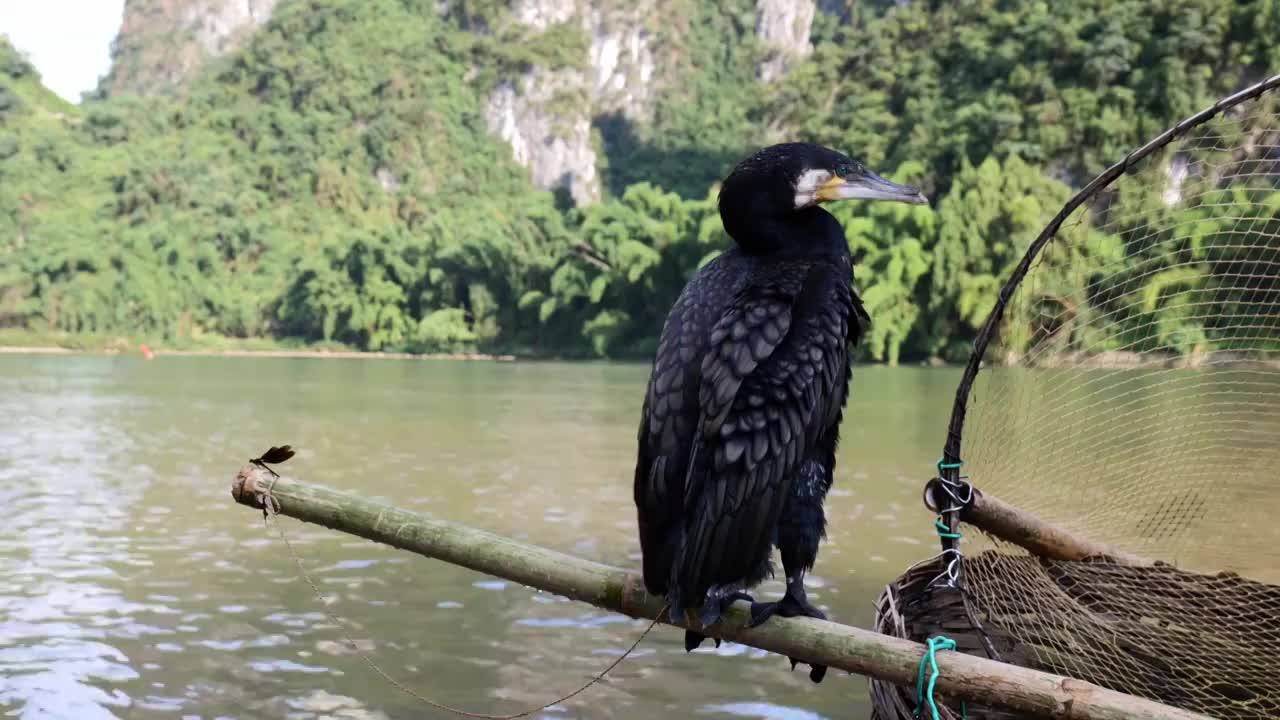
{"points": [[741, 417]]}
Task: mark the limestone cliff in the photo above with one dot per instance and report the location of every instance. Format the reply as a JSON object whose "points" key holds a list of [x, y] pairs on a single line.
{"points": [[161, 42], [783, 27], [619, 77], [546, 114]]}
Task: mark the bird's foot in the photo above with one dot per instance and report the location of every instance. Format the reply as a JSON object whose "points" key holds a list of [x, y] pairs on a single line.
{"points": [[793, 604], [816, 672], [692, 640], [710, 616]]}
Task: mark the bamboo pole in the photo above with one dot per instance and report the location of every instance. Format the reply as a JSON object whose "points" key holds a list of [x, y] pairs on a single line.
{"points": [[963, 677], [1036, 535]]}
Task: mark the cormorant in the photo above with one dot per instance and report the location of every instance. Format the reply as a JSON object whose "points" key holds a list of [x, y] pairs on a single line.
{"points": [[737, 440]]}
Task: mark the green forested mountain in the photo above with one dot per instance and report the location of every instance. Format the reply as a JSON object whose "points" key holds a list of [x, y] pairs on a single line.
{"points": [[335, 179]]}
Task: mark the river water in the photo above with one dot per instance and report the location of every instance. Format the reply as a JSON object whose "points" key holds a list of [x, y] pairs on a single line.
{"points": [[131, 586]]}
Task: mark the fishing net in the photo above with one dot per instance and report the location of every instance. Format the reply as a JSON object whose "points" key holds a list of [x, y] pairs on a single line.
{"points": [[1129, 394]]}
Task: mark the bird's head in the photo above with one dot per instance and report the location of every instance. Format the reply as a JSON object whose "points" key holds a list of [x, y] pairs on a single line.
{"points": [[783, 180]]}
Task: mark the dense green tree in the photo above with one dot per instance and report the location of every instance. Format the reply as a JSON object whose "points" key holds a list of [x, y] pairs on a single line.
{"points": [[985, 225], [635, 255], [1067, 86]]}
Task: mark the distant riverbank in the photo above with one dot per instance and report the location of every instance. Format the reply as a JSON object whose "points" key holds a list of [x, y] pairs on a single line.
{"points": [[19, 342], [331, 354], [22, 342]]}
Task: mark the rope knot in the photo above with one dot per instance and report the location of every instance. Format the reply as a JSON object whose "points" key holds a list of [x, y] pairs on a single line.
{"points": [[924, 691]]}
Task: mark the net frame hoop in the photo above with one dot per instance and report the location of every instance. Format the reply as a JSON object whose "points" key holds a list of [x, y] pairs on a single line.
{"points": [[949, 465]]}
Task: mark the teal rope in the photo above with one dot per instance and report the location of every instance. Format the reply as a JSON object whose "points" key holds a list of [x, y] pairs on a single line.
{"points": [[944, 531], [925, 692]]}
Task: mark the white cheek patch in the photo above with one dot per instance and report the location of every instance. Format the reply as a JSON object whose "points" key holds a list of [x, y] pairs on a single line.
{"points": [[811, 180], [807, 186]]}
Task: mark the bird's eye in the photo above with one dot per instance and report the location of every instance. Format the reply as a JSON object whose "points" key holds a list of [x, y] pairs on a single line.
{"points": [[844, 170]]}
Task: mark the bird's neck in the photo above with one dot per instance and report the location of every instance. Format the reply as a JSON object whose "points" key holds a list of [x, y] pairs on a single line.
{"points": [[809, 233]]}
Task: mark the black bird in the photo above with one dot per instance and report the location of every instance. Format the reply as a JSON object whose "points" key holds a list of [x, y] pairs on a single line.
{"points": [[737, 441]]}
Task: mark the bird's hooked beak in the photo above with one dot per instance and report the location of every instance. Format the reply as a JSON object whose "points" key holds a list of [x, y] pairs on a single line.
{"points": [[866, 185]]}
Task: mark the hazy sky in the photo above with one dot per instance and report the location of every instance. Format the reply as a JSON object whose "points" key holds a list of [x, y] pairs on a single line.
{"points": [[69, 41]]}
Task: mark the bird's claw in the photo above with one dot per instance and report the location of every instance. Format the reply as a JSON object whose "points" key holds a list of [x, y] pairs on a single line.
{"points": [[816, 672], [692, 639], [790, 606]]}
